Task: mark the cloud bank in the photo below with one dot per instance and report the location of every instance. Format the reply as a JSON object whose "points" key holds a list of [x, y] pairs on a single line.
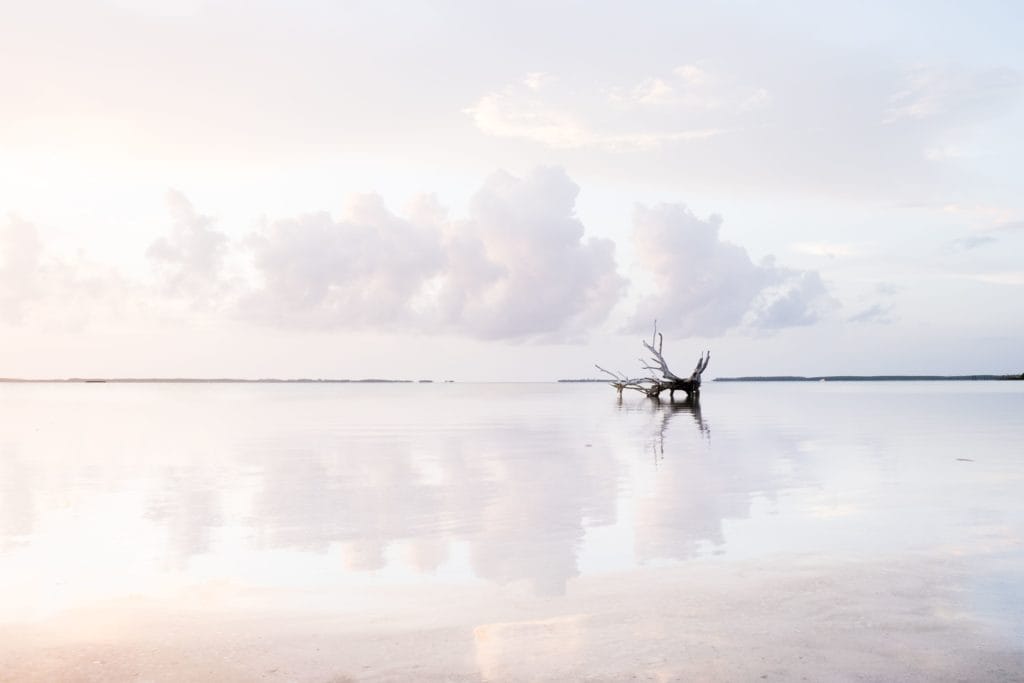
{"points": [[518, 266]]}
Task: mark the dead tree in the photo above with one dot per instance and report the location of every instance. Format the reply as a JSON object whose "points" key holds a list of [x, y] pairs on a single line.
{"points": [[663, 379]]}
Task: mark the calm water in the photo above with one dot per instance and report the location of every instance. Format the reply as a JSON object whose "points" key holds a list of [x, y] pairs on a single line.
{"points": [[507, 531]]}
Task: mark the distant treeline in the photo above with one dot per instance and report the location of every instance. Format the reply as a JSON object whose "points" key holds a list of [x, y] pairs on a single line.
{"points": [[224, 380], [868, 378]]}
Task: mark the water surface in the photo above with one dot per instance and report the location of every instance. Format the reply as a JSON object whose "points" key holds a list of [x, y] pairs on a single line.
{"points": [[511, 531]]}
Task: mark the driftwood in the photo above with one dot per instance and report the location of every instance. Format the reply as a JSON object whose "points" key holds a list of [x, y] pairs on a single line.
{"points": [[664, 379]]}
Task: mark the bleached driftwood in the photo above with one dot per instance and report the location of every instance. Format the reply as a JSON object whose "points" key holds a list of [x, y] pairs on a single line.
{"points": [[664, 379]]}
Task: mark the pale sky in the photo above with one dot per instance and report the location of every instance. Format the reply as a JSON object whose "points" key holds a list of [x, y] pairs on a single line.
{"points": [[509, 191]]}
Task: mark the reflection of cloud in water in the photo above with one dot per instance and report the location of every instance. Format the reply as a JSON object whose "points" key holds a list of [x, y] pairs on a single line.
{"points": [[702, 482], [516, 485], [188, 508], [519, 497], [17, 517]]}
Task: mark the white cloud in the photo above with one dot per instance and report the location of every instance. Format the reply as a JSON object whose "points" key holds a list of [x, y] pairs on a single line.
{"points": [[972, 242], [988, 225], [20, 256], [687, 104], [692, 74], [845, 124], [360, 270], [517, 267], [189, 260], [653, 91], [507, 113], [40, 289], [932, 92], [521, 265], [875, 313], [798, 298], [536, 80], [705, 286]]}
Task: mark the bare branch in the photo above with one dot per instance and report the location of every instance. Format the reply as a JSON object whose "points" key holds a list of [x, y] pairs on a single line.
{"points": [[616, 375], [654, 385], [662, 365]]}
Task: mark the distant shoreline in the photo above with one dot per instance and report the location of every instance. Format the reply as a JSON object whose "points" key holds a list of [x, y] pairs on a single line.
{"points": [[845, 378], [870, 378], [193, 380]]}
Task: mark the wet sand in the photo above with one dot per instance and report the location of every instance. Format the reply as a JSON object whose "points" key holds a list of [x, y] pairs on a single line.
{"points": [[900, 620]]}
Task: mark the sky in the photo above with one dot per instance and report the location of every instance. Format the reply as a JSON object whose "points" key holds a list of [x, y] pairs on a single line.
{"points": [[509, 191]]}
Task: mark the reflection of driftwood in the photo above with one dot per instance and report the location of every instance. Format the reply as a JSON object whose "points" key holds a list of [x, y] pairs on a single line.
{"points": [[668, 411], [653, 385]]}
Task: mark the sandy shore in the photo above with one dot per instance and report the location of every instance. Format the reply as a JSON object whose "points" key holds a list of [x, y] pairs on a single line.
{"points": [[901, 620]]}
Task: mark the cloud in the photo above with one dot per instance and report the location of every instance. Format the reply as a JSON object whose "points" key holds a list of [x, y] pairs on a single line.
{"points": [[972, 242], [685, 105], [932, 92], [190, 258], [705, 286], [987, 232], [39, 288], [843, 123], [523, 266], [517, 267], [360, 270], [875, 313], [875, 305], [798, 298], [20, 264]]}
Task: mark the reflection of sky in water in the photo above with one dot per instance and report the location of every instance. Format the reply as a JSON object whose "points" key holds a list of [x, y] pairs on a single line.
{"points": [[117, 490]]}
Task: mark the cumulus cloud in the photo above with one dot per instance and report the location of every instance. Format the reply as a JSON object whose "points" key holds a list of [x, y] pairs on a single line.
{"points": [[520, 263], [705, 285], [362, 269], [40, 288], [189, 259], [794, 299], [518, 266], [20, 264]]}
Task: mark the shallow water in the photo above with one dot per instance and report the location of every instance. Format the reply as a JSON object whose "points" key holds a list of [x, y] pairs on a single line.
{"points": [[511, 531]]}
